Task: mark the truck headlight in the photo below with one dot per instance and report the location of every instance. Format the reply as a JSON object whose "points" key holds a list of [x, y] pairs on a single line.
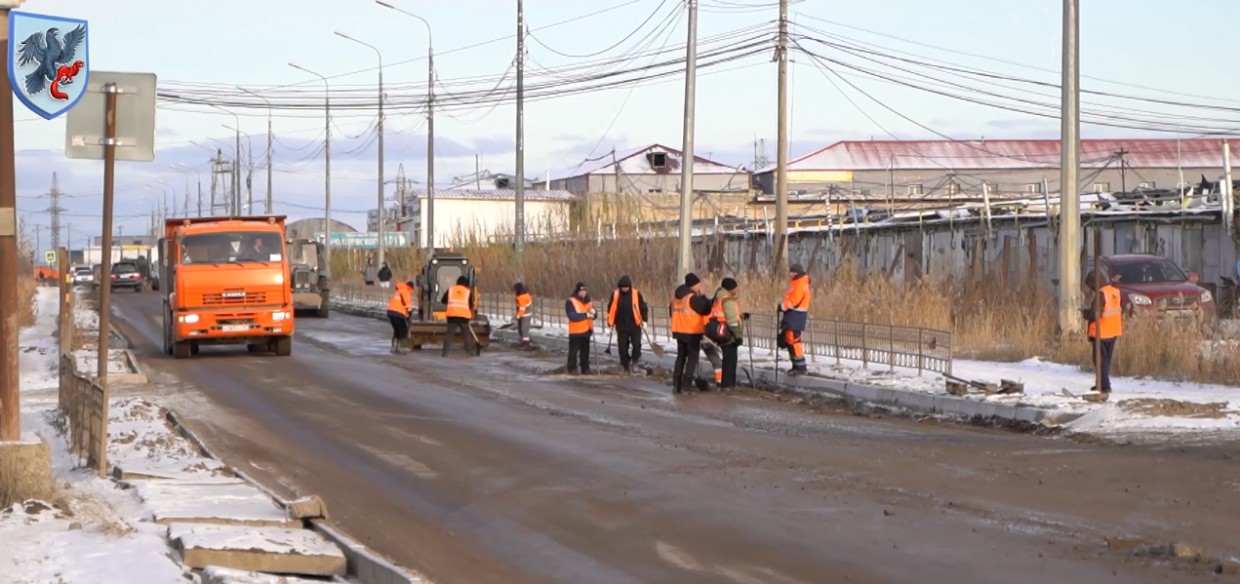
{"points": [[189, 318], [279, 316], [1206, 296], [1140, 299]]}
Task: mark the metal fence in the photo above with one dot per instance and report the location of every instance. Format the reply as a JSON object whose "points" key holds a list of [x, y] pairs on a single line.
{"points": [[917, 348]]}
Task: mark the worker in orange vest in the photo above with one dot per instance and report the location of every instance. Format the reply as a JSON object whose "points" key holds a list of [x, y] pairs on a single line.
{"points": [[581, 314], [627, 313], [689, 310], [459, 299], [399, 307], [524, 313], [724, 329], [1105, 328], [794, 317]]}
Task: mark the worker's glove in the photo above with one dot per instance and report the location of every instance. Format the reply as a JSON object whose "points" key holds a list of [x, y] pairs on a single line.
{"points": [[744, 316], [593, 314]]}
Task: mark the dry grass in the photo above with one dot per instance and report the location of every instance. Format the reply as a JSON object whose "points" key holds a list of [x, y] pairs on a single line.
{"points": [[987, 320], [27, 287], [25, 473]]}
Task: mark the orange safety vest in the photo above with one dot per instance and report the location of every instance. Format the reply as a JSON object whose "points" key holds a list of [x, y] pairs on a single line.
{"points": [[458, 302], [685, 320], [1112, 318], [798, 296], [716, 310], [580, 326], [524, 301], [402, 299], [637, 310]]}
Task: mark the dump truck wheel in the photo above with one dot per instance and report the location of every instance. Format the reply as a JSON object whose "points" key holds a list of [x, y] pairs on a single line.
{"points": [[252, 348], [283, 346], [193, 348], [181, 350]]}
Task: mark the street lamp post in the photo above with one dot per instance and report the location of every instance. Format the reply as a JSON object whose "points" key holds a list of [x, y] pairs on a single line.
{"points": [[430, 124], [382, 243], [249, 141], [270, 139], [327, 158], [236, 202]]}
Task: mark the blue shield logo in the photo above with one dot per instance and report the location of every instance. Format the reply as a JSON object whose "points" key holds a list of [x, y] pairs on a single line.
{"points": [[49, 61]]}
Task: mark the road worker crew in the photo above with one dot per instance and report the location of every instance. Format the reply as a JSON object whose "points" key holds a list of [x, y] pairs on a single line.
{"points": [[1106, 328], [794, 318], [524, 314], [726, 311], [580, 311], [459, 299], [627, 313], [400, 306], [689, 310]]}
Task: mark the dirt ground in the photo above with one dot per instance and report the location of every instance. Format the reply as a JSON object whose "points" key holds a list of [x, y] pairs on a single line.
{"points": [[497, 469]]}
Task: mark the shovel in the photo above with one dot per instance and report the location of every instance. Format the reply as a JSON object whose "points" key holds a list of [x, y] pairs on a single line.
{"points": [[610, 332], [655, 347]]}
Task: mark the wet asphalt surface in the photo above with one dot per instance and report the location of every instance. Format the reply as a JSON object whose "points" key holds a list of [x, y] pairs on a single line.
{"points": [[497, 469]]}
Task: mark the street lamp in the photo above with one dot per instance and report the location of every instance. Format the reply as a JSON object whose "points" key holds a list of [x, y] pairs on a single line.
{"points": [[270, 139], [382, 243], [430, 124], [249, 142], [327, 158], [185, 170], [236, 206]]}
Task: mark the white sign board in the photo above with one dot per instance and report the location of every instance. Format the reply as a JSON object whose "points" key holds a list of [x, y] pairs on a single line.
{"points": [[135, 118]]}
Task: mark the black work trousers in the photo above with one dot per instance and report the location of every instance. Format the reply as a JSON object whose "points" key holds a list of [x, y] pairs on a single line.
{"points": [[579, 354], [1106, 353], [457, 323], [685, 369], [629, 341], [729, 365], [400, 325]]}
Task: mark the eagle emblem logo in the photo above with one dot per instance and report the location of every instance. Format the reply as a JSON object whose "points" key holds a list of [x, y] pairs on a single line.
{"points": [[48, 61]]}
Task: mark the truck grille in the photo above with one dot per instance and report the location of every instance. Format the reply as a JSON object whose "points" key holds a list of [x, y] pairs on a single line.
{"points": [[301, 278], [229, 298]]}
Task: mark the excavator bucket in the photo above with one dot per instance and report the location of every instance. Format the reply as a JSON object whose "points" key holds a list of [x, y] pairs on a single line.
{"points": [[429, 322]]}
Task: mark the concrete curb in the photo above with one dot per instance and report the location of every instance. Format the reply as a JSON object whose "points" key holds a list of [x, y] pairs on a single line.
{"points": [[893, 400], [363, 565]]}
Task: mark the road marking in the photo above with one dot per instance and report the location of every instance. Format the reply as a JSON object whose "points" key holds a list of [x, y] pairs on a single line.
{"points": [[400, 460], [677, 557]]}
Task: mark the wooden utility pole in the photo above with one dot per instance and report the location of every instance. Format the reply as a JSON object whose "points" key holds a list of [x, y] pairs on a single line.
{"points": [[781, 156], [684, 258], [10, 371]]}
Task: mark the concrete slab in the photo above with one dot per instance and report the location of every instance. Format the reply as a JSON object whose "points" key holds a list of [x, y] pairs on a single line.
{"points": [[257, 549], [218, 575], [231, 503]]}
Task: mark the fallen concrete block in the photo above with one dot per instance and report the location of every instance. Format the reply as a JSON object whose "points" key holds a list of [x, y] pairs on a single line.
{"points": [[231, 503], [257, 549], [218, 575], [310, 507]]}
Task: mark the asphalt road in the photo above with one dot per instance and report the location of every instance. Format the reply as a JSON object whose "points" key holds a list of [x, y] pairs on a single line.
{"points": [[490, 469]]}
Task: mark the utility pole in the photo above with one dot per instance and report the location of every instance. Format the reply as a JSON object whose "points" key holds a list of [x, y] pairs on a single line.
{"points": [[520, 198], [1225, 194], [1122, 154], [477, 173], [684, 256], [270, 144], [10, 369], [200, 197], [781, 157], [1069, 189], [327, 158], [54, 194]]}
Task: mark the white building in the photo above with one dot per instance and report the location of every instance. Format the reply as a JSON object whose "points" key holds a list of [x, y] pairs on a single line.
{"points": [[463, 215], [650, 169]]}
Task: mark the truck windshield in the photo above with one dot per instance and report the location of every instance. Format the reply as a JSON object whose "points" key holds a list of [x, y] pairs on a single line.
{"points": [[1158, 271], [303, 253], [230, 247]]}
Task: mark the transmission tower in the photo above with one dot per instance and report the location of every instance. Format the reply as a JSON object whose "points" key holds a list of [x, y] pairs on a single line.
{"points": [[221, 185], [55, 211]]}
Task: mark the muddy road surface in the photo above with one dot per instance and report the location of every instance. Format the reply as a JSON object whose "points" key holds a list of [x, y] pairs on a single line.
{"points": [[497, 469]]}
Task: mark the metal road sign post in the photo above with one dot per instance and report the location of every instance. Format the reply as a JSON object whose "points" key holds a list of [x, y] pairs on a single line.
{"points": [[115, 120]]}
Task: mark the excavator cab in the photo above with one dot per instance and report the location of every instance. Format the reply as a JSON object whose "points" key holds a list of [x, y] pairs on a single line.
{"points": [[439, 275]]}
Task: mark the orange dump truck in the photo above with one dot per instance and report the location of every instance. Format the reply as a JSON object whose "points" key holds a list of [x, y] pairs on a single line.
{"points": [[225, 282]]}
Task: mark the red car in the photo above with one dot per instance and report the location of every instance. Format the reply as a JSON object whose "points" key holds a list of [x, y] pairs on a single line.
{"points": [[1154, 285]]}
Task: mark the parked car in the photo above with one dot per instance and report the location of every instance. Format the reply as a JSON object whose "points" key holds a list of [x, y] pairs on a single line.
{"points": [[127, 275], [1155, 285], [83, 275]]}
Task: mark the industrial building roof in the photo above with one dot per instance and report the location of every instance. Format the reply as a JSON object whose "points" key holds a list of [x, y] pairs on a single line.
{"points": [[1005, 154], [497, 194], [633, 161]]}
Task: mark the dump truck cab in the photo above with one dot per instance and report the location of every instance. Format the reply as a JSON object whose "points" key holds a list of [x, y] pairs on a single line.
{"points": [[308, 276], [225, 283], [439, 275]]}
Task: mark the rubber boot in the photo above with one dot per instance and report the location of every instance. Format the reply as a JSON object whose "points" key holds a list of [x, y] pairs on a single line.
{"points": [[395, 346]]}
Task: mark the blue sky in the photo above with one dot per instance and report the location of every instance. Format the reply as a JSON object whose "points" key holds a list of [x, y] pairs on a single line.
{"points": [[249, 42]]}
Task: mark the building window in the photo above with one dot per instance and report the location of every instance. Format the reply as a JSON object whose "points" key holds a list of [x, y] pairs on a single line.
{"points": [[1146, 185], [1033, 188], [657, 159], [1102, 187], [953, 188], [915, 190]]}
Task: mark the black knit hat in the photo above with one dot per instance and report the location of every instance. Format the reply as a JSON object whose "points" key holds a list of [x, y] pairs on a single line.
{"points": [[625, 282], [462, 281], [519, 287], [797, 269], [409, 283], [692, 280], [729, 284], [579, 287]]}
